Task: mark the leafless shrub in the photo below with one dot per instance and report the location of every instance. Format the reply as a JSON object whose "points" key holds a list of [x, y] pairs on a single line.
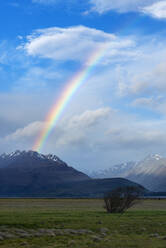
{"points": [[120, 199]]}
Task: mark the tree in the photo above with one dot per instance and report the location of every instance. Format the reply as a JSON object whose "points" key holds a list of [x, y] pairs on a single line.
{"points": [[122, 198]]}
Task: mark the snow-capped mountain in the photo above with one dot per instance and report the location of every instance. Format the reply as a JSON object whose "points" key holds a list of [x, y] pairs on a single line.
{"points": [[152, 164], [29, 173], [118, 170], [30, 162], [149, 172], [7, 158]]}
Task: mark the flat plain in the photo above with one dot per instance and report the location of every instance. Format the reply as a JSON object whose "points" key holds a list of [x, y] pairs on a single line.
{"points": [[80, 223]]}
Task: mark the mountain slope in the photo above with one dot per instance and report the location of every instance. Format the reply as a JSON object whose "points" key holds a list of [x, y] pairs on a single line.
{"points": [[95, 187], [21, 170], [33, 174], [150, 172], [118, 170]]}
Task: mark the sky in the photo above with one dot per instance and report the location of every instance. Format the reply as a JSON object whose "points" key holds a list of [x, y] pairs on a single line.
{"points": [[118, 113]]}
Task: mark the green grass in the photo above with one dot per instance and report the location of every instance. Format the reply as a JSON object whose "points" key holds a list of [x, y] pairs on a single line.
{"points": [[135, 228]]}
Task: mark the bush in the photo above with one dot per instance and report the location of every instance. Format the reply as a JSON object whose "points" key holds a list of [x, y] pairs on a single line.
{"points": [[120, 199]]}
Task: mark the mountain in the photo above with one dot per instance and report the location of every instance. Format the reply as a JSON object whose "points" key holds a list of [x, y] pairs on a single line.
{"points": [[149, 172], [32, 166], [95, 187], [29, 173], [118, 170]]}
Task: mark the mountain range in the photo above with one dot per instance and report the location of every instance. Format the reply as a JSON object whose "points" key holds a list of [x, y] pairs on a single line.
{"points": [[29, 173], [149, 172]]}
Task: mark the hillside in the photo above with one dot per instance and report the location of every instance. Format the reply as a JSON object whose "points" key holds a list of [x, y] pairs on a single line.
{"points": [[149, 172], [118, 170], [34, 174]]}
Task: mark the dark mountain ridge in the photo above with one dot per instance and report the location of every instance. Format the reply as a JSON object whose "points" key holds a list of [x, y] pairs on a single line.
{"points": [[29, 173]]}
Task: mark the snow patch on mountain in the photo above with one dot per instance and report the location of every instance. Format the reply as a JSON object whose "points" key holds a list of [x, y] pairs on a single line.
{"points": [[33, 154], [153, 157], [118, 170]]}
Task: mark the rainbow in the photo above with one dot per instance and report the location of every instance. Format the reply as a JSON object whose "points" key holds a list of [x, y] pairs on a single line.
{"points": [[66, 95]]}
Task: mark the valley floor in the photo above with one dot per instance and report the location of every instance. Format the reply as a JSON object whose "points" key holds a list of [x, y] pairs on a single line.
{"points": [[59, 223]]}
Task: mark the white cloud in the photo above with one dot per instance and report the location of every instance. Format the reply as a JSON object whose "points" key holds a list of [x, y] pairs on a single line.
{"points": [[96, 129], [22, 138], [130, 67], [151, 80], [79, 123], [37, 79], [89, 118], [102, 6], [77, 43], [114, 137], [154, 103], [139, 136], [95, 138], [30, 130], [144, 102], [22, 108], [145, 76], [80, 130], [156, 10]]}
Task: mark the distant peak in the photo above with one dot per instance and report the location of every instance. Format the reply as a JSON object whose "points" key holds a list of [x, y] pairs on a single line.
{"points": [[153, 157], [30, 153]]}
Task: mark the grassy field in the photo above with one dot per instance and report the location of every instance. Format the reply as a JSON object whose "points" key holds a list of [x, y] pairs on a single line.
{"points": [[34, 223]]}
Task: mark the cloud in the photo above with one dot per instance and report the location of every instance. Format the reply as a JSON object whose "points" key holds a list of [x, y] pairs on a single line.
{"points": [[154, 103], [102, 6], [89, 118], [76, 130], [22, 138], [17, 110], [156, 10], [153, 8], [30, 130], [76, 44], [37, 79], [144, 102], [80, 128], [145, 76], [151, 80], [114, 137], [138, 136], [95, 138]]}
